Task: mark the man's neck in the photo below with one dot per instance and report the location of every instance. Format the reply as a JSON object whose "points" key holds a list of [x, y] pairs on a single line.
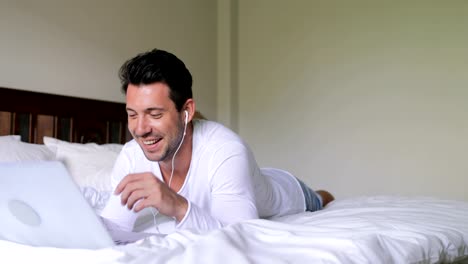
{"points": [[182, 162]]}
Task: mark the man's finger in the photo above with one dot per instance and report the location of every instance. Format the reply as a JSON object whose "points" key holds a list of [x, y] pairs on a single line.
{"points": [[130, 188], [140, 205], [129, 178], [136, 197]]}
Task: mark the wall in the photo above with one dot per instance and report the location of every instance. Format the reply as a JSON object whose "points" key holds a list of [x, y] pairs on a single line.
{"points": [[358, 97], [76, 47]]}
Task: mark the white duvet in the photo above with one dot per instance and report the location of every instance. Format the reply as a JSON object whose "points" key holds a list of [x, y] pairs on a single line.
{"points": [[379, 229]]}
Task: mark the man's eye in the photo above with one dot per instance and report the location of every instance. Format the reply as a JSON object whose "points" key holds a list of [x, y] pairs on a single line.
{"points": [[156, 116], [132, 116]]}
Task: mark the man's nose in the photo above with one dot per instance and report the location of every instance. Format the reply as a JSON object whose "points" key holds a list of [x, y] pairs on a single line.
{"points": [[142, 128]]}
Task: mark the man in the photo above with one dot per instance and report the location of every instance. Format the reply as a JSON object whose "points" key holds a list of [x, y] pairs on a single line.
{"points": [[198, 173]]}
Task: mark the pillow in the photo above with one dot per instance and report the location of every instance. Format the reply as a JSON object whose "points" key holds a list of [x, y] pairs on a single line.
{"points": [[96, 199], [14, 150], [90, 164], [10, 137]]}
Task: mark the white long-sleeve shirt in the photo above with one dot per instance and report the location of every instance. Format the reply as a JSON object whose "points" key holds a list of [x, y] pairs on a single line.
{"points": [[224, 184]]}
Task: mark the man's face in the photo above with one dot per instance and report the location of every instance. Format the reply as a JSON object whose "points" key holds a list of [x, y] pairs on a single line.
{"points": [[154, 121]]}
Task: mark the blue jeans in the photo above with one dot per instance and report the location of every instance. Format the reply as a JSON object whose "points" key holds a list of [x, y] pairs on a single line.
{"points": [[313, 200]]}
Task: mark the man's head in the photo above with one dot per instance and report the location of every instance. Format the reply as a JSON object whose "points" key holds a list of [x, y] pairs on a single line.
{"points": [[158, 66], [159, 101]]}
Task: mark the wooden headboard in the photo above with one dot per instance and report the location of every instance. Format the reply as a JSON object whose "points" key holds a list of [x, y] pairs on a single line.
{"points": [[34, 115]]}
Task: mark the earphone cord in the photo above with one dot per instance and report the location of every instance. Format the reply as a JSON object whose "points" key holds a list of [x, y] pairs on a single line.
{"points": [[172, 174], [154, 219], [175, 153]]}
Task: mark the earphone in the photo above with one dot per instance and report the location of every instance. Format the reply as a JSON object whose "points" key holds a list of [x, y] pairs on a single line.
{"points": [[177, 150], [172, 169]]}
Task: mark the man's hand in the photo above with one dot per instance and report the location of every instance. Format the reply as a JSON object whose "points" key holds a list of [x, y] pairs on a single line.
{"points": [[141, 190]]}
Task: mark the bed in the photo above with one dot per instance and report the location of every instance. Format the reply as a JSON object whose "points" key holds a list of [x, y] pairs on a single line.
{"points": [[87, 135]]}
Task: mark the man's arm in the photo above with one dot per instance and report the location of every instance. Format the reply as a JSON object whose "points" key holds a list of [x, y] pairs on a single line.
{"points": [[114, 211], [231, 171], [140, 190], [232, 190]]}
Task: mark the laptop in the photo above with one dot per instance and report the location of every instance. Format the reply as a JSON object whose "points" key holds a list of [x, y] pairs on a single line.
{"points": [[40, 205]]}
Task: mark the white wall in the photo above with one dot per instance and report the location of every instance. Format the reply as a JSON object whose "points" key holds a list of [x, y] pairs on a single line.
{"points": [[76, 47], [358, 97]]}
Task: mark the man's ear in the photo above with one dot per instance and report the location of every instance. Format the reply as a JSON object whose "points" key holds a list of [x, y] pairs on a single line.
{"points": [[189, 106]]}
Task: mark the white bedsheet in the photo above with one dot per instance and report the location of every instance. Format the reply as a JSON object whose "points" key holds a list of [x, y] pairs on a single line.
{"points": [[380, 229]]}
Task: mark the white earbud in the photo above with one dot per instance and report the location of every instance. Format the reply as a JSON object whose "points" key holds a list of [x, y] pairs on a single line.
{"points": [[186, 117]]}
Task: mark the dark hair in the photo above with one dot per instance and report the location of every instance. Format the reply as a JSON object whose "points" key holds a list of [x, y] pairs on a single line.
{"points": [[158, 66]]}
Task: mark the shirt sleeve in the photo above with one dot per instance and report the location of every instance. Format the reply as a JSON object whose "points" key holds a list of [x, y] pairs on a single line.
{"points": [[114, 211], [232, 170]]}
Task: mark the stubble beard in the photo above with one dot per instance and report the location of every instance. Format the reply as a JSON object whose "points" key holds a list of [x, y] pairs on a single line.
{"points": [[169, 150]]}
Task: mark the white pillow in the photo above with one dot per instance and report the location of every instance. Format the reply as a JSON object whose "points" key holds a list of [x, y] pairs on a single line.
{"points": [[89, 164], [97, 199], [14, 150], [10, 137]]}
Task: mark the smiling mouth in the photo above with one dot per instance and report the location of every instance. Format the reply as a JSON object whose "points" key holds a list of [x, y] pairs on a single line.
{"points": [[151, 142]]}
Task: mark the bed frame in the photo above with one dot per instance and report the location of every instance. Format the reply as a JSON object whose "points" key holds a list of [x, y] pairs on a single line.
{"points": [[33, 115]]}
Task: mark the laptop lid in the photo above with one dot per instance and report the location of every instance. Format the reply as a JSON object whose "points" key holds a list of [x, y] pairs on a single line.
{"points": [[40, 205]]}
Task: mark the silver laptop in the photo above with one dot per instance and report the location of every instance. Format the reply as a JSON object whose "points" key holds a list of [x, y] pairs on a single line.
{"points": [[40, 205]]}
